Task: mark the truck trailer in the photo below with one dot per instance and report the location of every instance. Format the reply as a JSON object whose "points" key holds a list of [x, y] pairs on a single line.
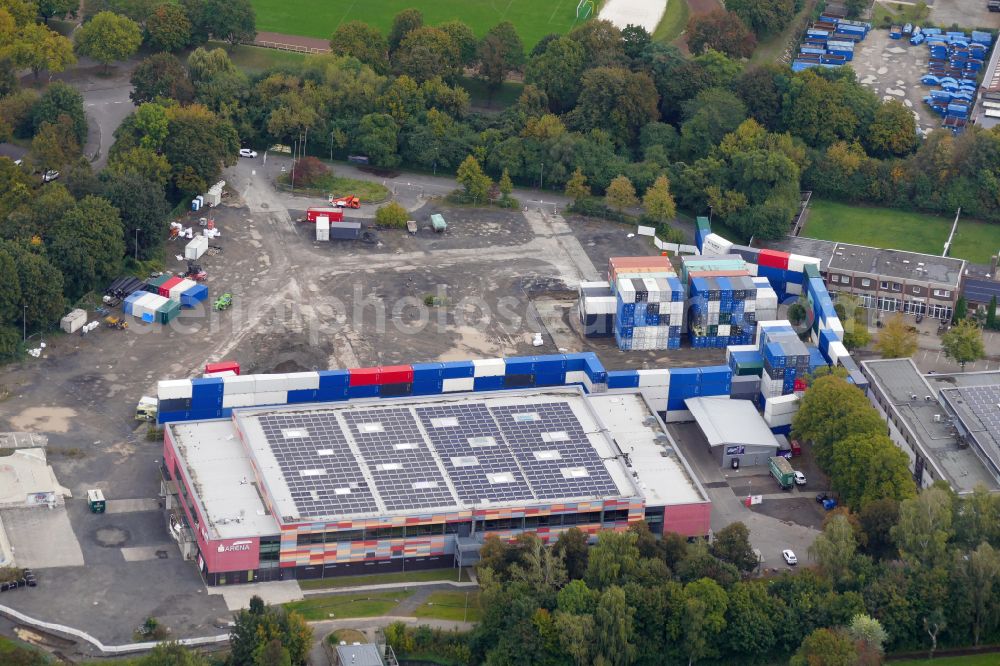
{"points": [[782, 471]]}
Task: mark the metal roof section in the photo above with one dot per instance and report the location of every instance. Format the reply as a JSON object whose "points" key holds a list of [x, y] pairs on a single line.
{"points": [[726, 421], [977, 410]]}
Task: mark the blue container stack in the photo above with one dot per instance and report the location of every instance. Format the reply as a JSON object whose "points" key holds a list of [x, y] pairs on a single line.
{"points": [[829, 42], [649, 313], [786, 358], [697, 382], [955, 61], [722, 311]]}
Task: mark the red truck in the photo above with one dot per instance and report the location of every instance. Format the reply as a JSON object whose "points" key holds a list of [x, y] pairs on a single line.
{"points": [[335, 215]]}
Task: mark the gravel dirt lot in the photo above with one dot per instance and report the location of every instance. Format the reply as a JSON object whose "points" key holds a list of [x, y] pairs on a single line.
{"points": [[892, 69]]}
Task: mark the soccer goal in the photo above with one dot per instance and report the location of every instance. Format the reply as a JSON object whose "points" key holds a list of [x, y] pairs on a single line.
{"points": [[584, 9]]}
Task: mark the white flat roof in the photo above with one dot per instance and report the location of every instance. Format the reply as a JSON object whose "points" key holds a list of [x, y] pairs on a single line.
{"points": [[727, 421], [219, 471], [663, 476]]}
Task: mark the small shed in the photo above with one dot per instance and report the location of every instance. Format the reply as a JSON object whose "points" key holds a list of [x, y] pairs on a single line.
{"points": [[437, 221], [734, 430]]}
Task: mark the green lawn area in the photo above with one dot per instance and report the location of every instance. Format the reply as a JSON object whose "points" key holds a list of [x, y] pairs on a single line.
{"points": [[448, 605], [364, 604], [254, 59], [674, 21], [382, 579], [901, 230], [319, 18], [968, 660], [366, 190], [884, 15]]}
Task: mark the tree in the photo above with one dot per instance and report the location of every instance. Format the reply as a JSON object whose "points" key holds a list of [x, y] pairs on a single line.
{"points": [[11, 298], [37, 48], [961, 309], [703, 618], [576, 186], [49, 8], [309, 171], [54, 145], [233, 21], [710, 116], [877, 520], [826, 647], [982, 569], [403, 24], [96, 226], [732, 544], [616, 100], [464, 39], [471, 177], [557, 71], [378, 139], [362, 41], [601, 41], [571, 546], [152, 125], [893, 132], [924, 527], [753, 620], [505, 185], [160, 76], [857, 335], [255, 628], [143, 207], [658, 201], [172, 654], [621, 194], [613, 622], [721, 31], [897, 339], [964, 342], [868, 466], [635, 39], [830, 411], [499, 52], [108, 38], [426, 53], [835, 549], [391, 215], [41, 288], [198, 145], [141, 162], [764, 17], [61, 101], [991, 314], [168, 28], [576, 633]]}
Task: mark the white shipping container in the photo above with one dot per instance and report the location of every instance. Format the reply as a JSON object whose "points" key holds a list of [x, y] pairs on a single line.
{"points": [[239, 400], [174, 389], [180, 288], [269, 398], [715, 244], [577, 377], [794, 289], [195, 248], [798, 262], [786, 404], [656, 396], [625, 290], [302, 381], [272, 382], [489, 367], [679, 416], [752, 269], [239, 385], [598, 305], [724, 330], [837, 351], [74, 321], [778, 420], [457, 384]]}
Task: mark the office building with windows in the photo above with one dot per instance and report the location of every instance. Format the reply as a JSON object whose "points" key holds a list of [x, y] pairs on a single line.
{"points": [[886, 281], [377, 485]]}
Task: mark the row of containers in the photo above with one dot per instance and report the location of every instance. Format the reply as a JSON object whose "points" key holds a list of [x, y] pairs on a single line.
{"points": [[783, 271], [955, 60], [186, 292], [161, 299], [722, 300], [829, 42], [649, 303]]}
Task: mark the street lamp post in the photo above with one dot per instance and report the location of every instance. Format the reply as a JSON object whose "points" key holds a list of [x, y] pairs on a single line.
{"points": [[136, 246], [24, 323]]}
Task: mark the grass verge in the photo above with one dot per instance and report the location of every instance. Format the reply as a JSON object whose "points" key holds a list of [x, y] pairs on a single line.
{"points": [[428, 575], [883, 16], [769, 50], [331, 183], [901, 230], [348, 605], [346, 635], [967, 660], [254, 59], [674, 20], [451, 605]]}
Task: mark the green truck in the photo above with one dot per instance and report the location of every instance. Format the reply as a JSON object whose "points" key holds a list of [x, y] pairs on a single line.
{"points": [[782, 471]]}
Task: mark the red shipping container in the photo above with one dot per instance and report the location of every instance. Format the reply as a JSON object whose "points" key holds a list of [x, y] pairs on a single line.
{"points": [[164, 289], [773, 259], [335, 214], [395, 374], [362, 376], [222, 366]]}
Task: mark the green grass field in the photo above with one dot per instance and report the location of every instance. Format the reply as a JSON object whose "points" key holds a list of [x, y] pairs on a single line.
{"points": [[901, 230], [254, 59], [449, 605], [318, 18], [968, 660], [383, 579], [674, 21], [362, 604]]}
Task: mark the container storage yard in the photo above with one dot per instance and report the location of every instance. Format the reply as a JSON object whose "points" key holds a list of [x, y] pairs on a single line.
{"points": [[829, 42], [954, 64]]}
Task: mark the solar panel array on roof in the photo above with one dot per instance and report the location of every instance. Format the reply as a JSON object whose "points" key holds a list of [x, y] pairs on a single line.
{"points": [[552, 448], [406, 474], [474, 452], [320, 470]]}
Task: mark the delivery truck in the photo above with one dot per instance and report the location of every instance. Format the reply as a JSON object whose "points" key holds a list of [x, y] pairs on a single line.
{"points": [[782, 471]]}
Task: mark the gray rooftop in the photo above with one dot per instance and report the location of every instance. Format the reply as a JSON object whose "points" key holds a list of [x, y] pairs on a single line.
{"points": [[977, 410], [900, 264], [980, 291], [364, 654], [941, 443], [726, 421], [990, 91]]}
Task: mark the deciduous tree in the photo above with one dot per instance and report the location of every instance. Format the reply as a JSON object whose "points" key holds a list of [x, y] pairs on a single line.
{"points": [[161, 75], [826, 647], [613, 623], [576, 186], [556, 71], [893, 132], [616, 100], [403, 24], [362, 41], [964, 343], [108, 38], [168, 28], [835, 550], [732, 544], [198, 145], [703, 618], [621, 194], [426, 53], [233, 21], [830, 411], [464, 39], [471, 177], [55, 145], [142, 205], [658, 201], [924, 527], [897, 339], [877, 520], [764, 17], [499, 52], [602, 43], [991, 314], [378, 139], [61, 101], [49, 8], [722, 31], [391, 215]]}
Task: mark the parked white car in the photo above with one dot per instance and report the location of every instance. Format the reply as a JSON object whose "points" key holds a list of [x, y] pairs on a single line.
{"points": [[789, 557], [246, 152], [49, 176], [800, 479]]}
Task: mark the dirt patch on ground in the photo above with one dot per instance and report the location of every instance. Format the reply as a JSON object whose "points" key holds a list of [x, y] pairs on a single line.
{"points": [[48, 419]]}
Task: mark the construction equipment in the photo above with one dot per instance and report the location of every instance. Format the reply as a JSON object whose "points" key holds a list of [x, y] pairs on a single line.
{"points": [[146, 409], [223, 302], [195, 272], [350, 201], [116, 323]]}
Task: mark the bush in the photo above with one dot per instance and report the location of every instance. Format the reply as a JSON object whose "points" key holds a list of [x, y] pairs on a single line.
{"points": [[309, 170], [591, 207], [391, 215]]}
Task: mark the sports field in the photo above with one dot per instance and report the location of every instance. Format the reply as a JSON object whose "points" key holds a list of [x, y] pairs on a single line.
{"points": [[319, 18], [901, 230]]}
